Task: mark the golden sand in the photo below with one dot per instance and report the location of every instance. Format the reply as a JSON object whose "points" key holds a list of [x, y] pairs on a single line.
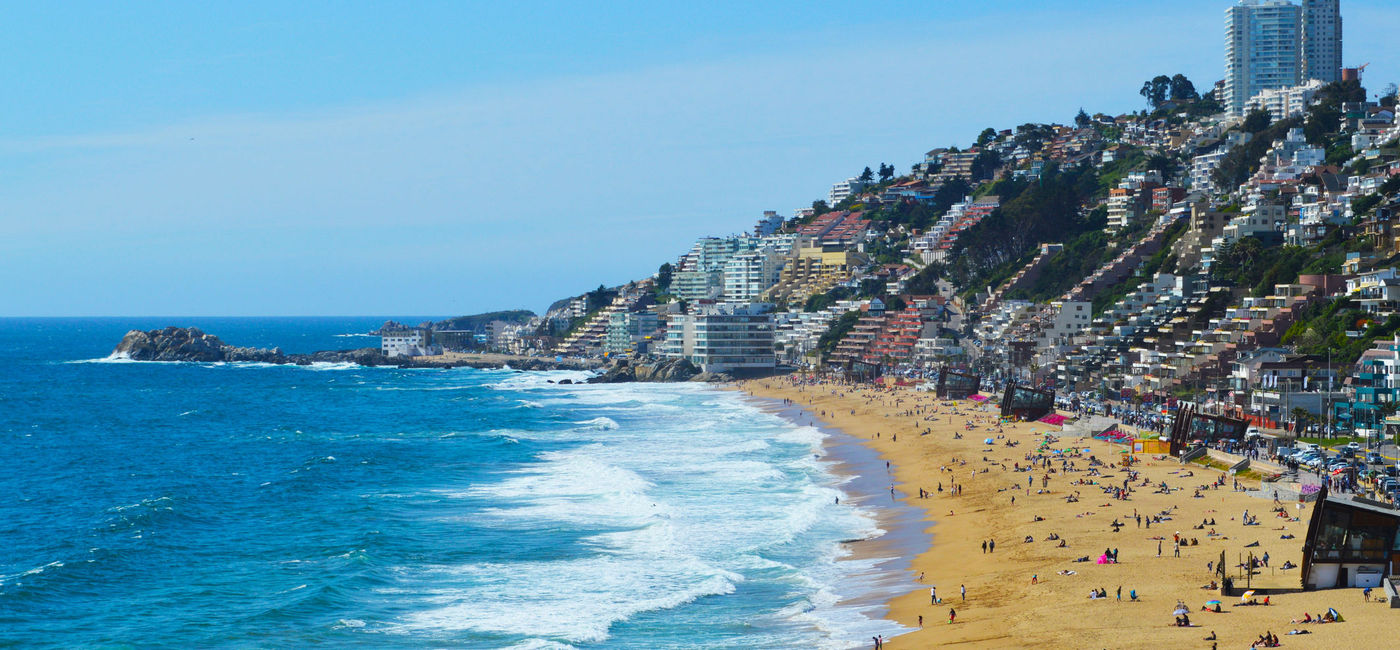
{"points": [[1004, 609]]}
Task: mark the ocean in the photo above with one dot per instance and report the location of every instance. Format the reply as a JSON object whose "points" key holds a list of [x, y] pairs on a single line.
{"points": [[249, 505]]}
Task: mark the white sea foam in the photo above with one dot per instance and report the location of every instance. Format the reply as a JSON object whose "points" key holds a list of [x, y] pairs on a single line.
{"points": [[541, 644], [332, 365], [600, 423], [689, 508]]}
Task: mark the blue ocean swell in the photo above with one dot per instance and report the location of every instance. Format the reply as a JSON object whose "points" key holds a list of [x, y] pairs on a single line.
{"points": [[235, 505]]}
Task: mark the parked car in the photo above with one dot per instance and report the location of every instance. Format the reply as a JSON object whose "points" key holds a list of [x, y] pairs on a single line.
{"points": [[1374, 458], [1353, 445], [1390, 470]]}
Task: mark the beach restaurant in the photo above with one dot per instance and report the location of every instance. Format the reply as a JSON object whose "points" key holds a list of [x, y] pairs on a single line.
{"points": [[1026, 404], [957, 385], [1190, 425], [1351, 542]]}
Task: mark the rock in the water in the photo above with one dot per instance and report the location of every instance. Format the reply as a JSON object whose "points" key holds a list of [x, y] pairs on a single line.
{"points": [[663, 370]]}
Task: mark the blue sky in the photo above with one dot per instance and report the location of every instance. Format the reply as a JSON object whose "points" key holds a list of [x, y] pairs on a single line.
{"points": [[442, 158]]}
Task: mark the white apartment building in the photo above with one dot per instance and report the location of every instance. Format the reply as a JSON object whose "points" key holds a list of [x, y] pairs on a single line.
{"points": [[747, 275], [723, 338], [1282, 103], [406, 343], [845, 188]]}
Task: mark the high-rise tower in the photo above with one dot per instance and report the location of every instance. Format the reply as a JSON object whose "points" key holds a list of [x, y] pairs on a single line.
{"points": [[1271, 44], [1322, 40]]}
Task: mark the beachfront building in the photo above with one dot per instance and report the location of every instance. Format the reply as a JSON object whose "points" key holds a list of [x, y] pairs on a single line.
{"points": [[407, 343], [1351, 542], [723, 337], [629, 333]]}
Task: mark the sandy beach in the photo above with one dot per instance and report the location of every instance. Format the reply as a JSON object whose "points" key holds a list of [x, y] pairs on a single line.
{"points": [[1023, 593]]}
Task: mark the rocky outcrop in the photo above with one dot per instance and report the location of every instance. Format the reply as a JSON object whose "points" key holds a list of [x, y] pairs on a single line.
{"points": [[662, 370], [188, 344], [191, 344]]}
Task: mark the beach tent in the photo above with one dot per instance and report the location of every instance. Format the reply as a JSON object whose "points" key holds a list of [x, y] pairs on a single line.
{"points": [[977, 398], [1336, 615], [989, 441], [1054, 418]]}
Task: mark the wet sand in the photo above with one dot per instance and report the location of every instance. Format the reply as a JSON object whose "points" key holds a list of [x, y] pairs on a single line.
{"points": [[1003, 608]]}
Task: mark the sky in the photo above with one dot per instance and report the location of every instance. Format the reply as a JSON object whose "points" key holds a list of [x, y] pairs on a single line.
{"points": [[361, 158]]}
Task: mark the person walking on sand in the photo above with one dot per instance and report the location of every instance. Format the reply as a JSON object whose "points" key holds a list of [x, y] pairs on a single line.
{"points": [[952, 615], [964, 592], [1159, 548], [992, 546], [1120, 593], [933, 595], [984, 546], [1176, 548], [921, 621]]}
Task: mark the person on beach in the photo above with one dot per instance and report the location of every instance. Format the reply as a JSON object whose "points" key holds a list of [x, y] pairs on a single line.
{"points": [[933, 595], [984, 546], [964, 592], [952, 615], [992, 546]]}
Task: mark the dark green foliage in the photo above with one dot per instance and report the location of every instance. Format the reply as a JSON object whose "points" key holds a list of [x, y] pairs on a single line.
{"points": [[985, 165], [1362, 205], [1167, 166], [1082, 119], [1339, 153], [867, 175], [1156, 90], [886, 172], [663, 278], [1243, 160], [1046, 211], [1182, 88], [1033, 136], [925, 282], [1324, 116], [1322, 329], [1080, 257], [1256, 121], [1248, 263], [837, 331], [987, 135], [477, 322]]}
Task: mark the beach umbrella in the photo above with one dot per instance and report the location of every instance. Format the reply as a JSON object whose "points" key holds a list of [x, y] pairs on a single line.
{"points": [[1212, 602], [1180, 609], [1247, 595]]}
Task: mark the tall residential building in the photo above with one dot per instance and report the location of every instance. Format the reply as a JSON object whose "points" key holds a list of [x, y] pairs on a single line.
{"points": [[1263, 49], [1322, 40]]}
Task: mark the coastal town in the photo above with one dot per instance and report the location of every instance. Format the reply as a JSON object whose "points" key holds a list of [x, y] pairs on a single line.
{"points": [[1214, 279], [1233, 249]]}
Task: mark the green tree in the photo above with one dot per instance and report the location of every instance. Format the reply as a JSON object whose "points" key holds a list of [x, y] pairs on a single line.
{"points": [[820, 207], [663, 277], [984, 166], [867, 175], [1256, 121], [987, 135], [1156, 90], [1164, 165], [886, 172], [1082, 120], [1181, 88]]}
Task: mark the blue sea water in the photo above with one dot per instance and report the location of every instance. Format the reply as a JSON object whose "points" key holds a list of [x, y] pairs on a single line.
{"points": [[248, 505]]}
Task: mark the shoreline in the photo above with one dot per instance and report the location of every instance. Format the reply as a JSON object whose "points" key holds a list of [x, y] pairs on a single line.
{"points": [[904, 532], [1004, 605]]}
